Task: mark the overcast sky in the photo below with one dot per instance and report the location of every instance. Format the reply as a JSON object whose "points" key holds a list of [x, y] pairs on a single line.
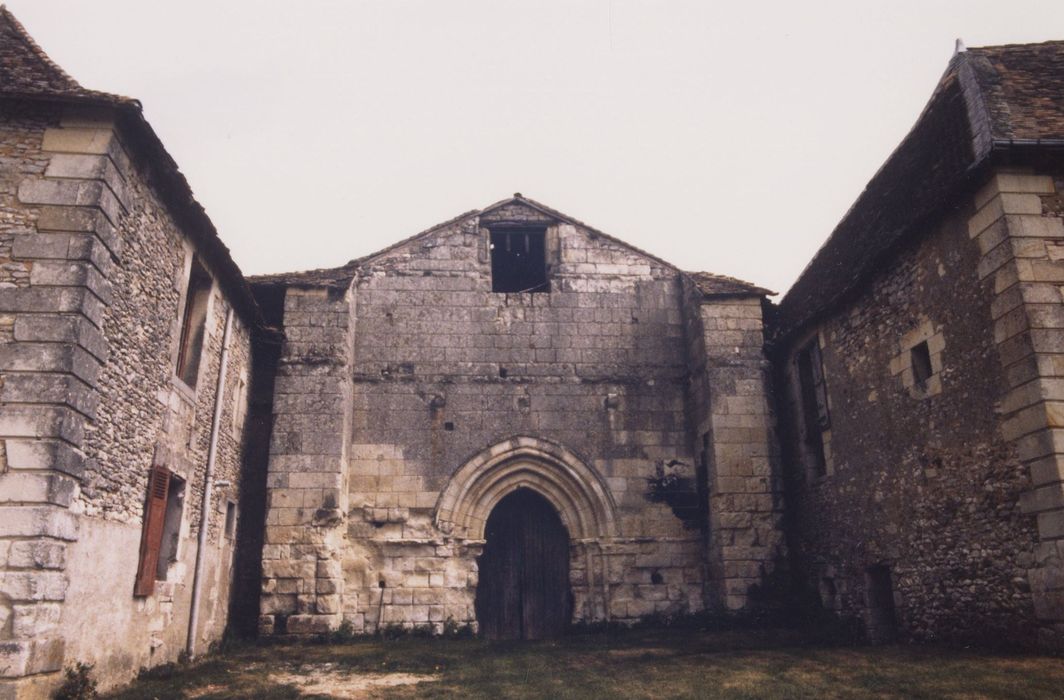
{"points": [[721, 136]]}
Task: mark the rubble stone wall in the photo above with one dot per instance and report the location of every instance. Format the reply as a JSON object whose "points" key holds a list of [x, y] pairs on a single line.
{"points": [[921, 478], [95, 268]]}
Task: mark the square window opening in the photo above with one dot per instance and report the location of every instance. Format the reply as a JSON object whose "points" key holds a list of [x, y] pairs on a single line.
{"points": [[193, 323], [518, 260], [920, 356]]}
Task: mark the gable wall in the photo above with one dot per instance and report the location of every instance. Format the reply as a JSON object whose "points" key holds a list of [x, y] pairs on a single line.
{"points": [[597, 365]]}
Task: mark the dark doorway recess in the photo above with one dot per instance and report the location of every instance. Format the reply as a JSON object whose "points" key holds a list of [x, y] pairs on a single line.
{"points": [[523, 589], [882, 617]]}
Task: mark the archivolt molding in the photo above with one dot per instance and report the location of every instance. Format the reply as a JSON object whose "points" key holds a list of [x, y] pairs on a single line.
{"points": [[576, 491]]}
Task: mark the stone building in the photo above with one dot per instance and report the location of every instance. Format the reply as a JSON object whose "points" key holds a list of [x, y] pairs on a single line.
{"points": [[516, 422], [125, 345], [920, 371], [511, 350]]}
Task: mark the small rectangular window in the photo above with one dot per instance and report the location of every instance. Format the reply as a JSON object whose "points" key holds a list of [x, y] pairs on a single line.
{"points": [[920, 357], [230, 520], [193, 323], [518, 260], [814, 403]]}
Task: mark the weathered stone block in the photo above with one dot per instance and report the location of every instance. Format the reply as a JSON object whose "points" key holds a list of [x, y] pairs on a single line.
{"points": [[35, 620], [329, 568], [36, 521], [99, 140], [50, 388], [1021, 183], [71, 274], [1051, 525], [279, 568], [18, 487], [278, 604], [27, 657], [71, 193], [88, 167], [27, 420], [44, 454], [1035, 226], [33, 585], [62, 329], [311, 624], [328, 604], [53, 300]]}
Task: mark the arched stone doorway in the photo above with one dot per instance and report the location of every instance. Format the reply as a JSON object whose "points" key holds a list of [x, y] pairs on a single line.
{"points": [[523, 590], [554, 478], [577, 492]]}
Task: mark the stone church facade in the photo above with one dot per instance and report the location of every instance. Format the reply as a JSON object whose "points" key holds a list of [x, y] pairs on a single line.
{"points": [[515, 422], [414, 393]]}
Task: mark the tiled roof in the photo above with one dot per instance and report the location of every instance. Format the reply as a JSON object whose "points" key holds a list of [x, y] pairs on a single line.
{"points": [[27, 73], [990, 103], [26, 70], [320, 277], [723, 286], [1024, 88]]}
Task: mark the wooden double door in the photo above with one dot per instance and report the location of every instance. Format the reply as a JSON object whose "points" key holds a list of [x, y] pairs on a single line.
{"points": [[523, 589]]}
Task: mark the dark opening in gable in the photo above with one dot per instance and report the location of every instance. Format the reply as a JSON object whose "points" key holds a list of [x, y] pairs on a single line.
{"points": [[518, 260]]}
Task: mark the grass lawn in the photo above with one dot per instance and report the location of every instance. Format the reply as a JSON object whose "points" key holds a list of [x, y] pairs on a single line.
{"points": [[666, 663]]}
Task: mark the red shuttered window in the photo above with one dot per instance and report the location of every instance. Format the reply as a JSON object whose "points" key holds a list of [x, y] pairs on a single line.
{"points": [[152, 536]]}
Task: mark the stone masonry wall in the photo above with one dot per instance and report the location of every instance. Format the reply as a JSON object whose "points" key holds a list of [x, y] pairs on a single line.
{"points": [[51, 300], [439, 372], [1019, 228], [96, 271], [306, 506], [445, 368], [446, 373], [920, 478], [729, 411]]}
